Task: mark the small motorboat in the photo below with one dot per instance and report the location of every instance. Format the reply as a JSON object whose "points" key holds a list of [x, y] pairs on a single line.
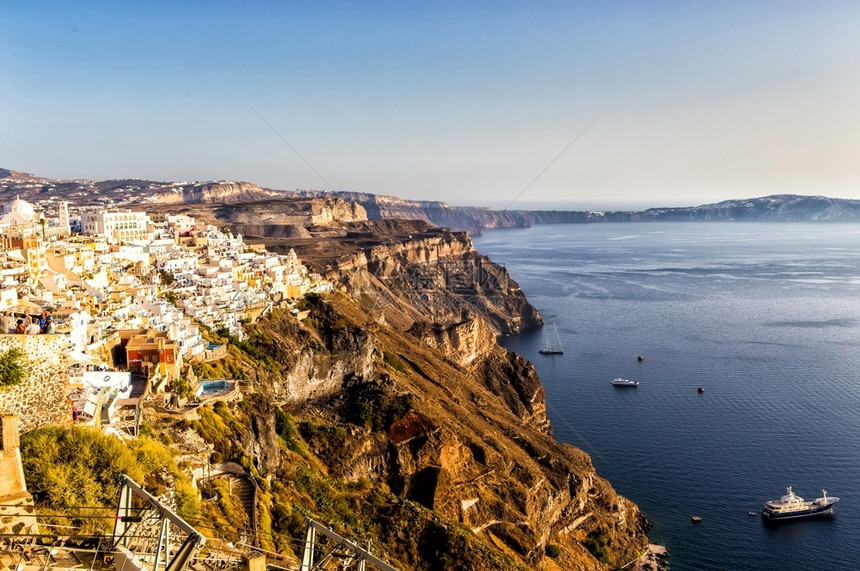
{"points": [[696, 518], [701, 389], [619, 382]]}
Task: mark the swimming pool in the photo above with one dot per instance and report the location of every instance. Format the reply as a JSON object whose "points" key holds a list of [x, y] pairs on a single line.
{"points": [[212, 388]]}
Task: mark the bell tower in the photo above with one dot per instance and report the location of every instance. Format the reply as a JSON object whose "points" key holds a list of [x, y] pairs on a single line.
{"points": [[63, 215]]}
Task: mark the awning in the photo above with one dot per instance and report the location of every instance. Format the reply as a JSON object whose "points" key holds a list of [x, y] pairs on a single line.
{"points": [[25, 307]]}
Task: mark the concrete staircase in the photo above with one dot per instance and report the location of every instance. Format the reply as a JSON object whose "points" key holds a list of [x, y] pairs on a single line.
{"points": [[245, 489]]}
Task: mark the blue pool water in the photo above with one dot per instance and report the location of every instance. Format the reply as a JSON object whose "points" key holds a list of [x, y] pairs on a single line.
{"points": [[211, 388]]}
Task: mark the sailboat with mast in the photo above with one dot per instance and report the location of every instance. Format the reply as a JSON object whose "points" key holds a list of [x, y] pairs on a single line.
{"points": [[553, 344]]}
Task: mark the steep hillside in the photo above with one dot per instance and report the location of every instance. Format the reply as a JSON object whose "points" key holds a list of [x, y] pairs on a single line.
{"points": [[435, 442], [392, 414], [408, 272], [393, 401]]}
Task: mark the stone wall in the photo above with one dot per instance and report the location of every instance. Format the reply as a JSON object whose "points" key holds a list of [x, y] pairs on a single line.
{"points": [[43, 397], [105, 349], [217, 352], [17, 512], [11, 473]]}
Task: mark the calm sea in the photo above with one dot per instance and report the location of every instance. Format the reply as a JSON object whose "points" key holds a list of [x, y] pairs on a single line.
{"points": [[765, 317]]}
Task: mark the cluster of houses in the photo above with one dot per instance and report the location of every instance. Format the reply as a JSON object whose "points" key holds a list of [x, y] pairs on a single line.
{"points": [[139, 286]]}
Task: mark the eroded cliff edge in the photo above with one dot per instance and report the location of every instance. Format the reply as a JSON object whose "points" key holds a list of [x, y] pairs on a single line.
{"points": [[454, 426], [397, 380]]}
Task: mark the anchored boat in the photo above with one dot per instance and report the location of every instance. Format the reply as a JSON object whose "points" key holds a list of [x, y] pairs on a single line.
{"points": [[791, 506], [553, 346], [619, 382]]}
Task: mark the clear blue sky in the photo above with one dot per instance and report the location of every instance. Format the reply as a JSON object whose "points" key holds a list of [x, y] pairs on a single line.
{"points": [[460, 101]]}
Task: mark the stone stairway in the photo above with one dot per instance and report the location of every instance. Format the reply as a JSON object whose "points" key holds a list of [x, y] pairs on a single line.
{"points": [[245, 489]]}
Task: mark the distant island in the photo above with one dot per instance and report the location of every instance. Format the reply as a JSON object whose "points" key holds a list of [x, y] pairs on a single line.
{"points": [[774, 208], [473, 219]]}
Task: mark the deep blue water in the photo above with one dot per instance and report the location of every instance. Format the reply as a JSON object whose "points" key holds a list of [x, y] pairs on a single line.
{"points": [[765, 317]]}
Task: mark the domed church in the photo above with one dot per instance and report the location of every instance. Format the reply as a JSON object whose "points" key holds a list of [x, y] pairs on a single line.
{"points": [[19, 219], [18, 213]]}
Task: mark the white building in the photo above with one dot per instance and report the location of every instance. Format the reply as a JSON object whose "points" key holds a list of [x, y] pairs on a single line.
{"points": [[116, 227], [181, 223]]}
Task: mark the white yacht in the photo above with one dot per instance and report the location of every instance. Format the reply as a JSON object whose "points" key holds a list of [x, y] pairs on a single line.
{"points": [[791, 506]]}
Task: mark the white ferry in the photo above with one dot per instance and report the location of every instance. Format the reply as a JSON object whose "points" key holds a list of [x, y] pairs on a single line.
{"points": [[791, 506]]}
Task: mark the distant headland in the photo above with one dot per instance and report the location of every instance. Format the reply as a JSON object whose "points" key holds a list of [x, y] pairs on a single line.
{"points": [[474, 219]]}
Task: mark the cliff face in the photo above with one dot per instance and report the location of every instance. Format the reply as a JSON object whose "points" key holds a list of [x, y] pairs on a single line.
{"points": [[471, 344], [778, 207], [781, 207], [408, 272], [314, 363], [395, 384], [459, 218], [262, 217], [447, 419], [398, 380], [211, 193]]}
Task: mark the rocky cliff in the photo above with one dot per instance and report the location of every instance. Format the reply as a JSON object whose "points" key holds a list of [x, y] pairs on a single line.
{"points": [[216, 192], [451, 422], [273, 217], [460, 218], [398, 380], [782, 207], [406, 423], [390, 413], [407, 272]]}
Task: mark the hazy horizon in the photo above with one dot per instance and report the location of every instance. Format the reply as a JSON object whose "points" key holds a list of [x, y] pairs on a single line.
{"points": [[595, 204], [475, 103]]}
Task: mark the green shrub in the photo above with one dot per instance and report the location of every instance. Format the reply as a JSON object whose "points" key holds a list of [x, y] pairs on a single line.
{"points": [[187, 502], [325, 439], [359, 412], [181, 387], [223, 512], [597, 547], [219, 427], [334, 506], [12, 369], [69, 468], [393, 361], [284, 429], [308, 302], [552, 550]]}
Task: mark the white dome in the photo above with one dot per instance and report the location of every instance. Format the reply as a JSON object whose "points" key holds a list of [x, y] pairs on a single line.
{"points": [[18, 212], [21, 206]]}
